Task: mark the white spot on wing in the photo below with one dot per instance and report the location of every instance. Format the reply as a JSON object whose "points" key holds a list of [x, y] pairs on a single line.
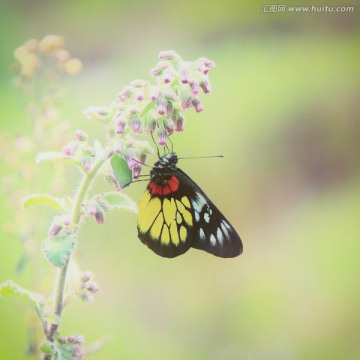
{"points": [[197, 216], [227, 225], [198, 203], [220, 236], [202, 234], [223, 228], [207, 217], [212, 240]]}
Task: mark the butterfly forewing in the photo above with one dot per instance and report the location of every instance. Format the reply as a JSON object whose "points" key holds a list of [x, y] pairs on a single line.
{"points": [[175, 214]]}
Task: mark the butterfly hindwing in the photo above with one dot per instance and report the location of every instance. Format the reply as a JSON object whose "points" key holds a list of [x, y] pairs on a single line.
{"points": [[213, 233], [165, 223], [175, 214]]}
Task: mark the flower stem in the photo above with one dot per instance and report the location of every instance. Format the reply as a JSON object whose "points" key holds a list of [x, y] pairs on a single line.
{"points": [[62, 274]]}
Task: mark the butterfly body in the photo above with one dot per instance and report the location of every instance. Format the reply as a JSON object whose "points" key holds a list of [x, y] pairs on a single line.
{"points": [[175, 214]]}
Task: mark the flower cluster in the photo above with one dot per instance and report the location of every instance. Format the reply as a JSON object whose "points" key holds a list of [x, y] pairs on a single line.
{"points": [[87, 286], [72, 346], [33, 54], [144, 107], [59, 224]]}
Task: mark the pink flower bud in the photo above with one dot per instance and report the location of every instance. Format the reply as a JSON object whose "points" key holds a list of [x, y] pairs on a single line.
{"points": [[168, 76], [91, 209], [135, 124], [168, 55], [117, 146], [86, 297], [161, 105], [86, 276], [162, 136], [197, 105], [80, 135], [86, 161], [75, 339], [169, 108], [194, 87], [132, 163], [205, 86], [66, 219], [155, 93], [155, 72], [184, 75], [120, 127], [186, 102], [78, 353], [125, 93], [179, 123], [93, 287], [107, 154], [139, 95], [151, 124], [55, 229], [169, 94], [169, 126], [136, 170], [99, 215], [70, 149], [69, 230]]}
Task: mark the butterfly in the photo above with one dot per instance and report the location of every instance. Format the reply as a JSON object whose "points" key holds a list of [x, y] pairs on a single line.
{"points": [[175, 214]]}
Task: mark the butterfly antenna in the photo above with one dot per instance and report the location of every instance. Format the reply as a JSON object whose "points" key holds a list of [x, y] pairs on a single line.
{"points": [[201, 157], [157, 148], [139, 162], [135, 181], [172, 145]]}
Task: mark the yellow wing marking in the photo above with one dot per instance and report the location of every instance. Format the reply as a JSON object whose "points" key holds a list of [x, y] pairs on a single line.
{"points": [[157, 226], [174, 233], [166, 219], [165, 235], [186, 202], [148, 211], [184, 212], [183, 233], [169, 210]]}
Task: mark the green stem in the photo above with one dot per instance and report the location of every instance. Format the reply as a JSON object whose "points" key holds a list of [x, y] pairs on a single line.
{"points": [[62, 275]]}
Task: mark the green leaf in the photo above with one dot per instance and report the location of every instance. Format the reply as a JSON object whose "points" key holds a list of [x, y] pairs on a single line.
{"points": [[58, 248], [122, 173], [50, 348], [53, 155], [44, 199], [118, 201], [67, 353], [9, 288]]}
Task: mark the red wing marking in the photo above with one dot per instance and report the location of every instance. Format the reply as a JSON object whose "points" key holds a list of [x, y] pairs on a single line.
{"points": [[171, 186]]}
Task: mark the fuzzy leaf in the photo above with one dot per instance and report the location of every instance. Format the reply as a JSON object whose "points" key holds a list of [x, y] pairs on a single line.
{"points": [[9, 288], [50, 348], [58, 248], [53, 155], [67, 353], [122, 173], [119, 201], [44, 199]]}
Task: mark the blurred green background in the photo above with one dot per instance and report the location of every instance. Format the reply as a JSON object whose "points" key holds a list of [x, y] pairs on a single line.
{"points": [[284, 112]]}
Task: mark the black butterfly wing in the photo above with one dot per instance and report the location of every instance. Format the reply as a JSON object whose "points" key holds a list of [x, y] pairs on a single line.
{"points": [[212, 231]]}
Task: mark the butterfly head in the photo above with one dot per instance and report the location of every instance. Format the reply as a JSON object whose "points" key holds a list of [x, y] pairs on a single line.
{"points": [[167, 161]]}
